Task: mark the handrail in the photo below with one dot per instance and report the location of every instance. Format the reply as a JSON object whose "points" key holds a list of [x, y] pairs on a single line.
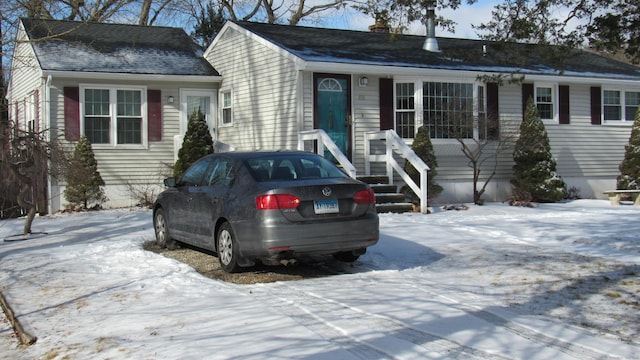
{"points": [[393, 142], [323, 140]]}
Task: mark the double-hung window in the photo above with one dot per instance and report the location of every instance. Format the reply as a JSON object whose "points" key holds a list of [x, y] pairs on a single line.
{"points": [[405, 110], [544, 102], [226, 108], [114, 116], [620, 106]]}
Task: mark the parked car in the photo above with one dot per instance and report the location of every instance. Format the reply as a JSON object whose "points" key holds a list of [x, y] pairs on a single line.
{"points": [[267, 206]]}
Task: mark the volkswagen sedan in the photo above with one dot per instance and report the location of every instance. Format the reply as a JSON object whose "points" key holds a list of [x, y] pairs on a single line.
{"points": [[267, 206]]}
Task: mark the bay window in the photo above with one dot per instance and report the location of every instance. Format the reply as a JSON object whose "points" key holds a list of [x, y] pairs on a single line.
{"points": [[448, 110]]}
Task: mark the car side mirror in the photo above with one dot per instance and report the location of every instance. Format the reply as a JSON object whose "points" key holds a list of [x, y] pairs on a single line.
{"points": [[170, 182]]}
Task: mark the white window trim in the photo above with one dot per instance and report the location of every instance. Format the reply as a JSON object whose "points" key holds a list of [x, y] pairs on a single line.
{"points": [[419, 106], [555, 107], [221, 107], [623, 107], [113, 128]]}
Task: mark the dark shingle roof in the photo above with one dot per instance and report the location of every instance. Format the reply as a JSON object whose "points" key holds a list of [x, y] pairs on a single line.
{"points": [[368, 48], [115, 48]]}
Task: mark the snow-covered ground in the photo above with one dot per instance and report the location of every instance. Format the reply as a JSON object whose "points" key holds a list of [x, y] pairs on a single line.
{"points": [[560, 281]]}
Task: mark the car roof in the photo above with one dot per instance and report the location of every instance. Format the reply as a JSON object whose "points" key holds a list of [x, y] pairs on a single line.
{"points": [[262, 153]]}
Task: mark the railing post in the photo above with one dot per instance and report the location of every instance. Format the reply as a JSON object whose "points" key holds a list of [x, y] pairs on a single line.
{"points": [[389, 155]]}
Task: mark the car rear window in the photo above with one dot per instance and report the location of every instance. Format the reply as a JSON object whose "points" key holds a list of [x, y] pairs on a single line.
{"points": [[291, 168]]}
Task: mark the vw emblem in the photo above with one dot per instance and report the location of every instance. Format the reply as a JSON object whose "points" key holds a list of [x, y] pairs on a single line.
{"points": [[326, 191]]}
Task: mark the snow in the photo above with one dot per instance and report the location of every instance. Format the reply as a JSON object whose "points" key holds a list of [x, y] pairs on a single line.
{"points": [[558, 281]]}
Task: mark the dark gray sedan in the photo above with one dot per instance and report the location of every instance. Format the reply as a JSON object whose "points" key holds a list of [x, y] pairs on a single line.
{"points": [[267, 206]]}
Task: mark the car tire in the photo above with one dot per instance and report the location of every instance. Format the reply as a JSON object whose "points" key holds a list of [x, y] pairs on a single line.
{"points": [[346, 256], [161, 227], [227, 249]]}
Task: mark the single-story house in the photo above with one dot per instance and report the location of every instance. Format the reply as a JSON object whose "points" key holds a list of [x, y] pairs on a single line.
{"points": [[267, 86]]}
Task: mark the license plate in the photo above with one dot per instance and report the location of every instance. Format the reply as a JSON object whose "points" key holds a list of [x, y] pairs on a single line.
{"points": [[325, 206]]}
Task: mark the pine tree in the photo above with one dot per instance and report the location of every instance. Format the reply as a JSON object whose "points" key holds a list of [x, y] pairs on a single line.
{"points": [[535, 169], [196, 144], [423, 147], [84, 183], [629, 178]]}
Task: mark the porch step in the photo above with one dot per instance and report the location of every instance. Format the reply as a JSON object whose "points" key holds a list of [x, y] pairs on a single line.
{"points": [[388, 199]]}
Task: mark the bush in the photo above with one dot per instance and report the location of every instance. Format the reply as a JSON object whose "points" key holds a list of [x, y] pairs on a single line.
{"points": [[629, 178], [423, 147], [196, 144], [84, 183], [535, 177]]}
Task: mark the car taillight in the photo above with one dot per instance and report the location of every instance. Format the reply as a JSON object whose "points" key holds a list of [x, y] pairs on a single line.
{"points": [[364, 197], [277, 201]]}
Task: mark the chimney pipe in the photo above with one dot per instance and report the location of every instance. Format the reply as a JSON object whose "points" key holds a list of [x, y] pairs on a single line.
{"points": [[431, 43]]}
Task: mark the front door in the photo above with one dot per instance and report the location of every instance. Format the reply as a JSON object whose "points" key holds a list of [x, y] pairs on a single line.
{"points": [[333, 109]]}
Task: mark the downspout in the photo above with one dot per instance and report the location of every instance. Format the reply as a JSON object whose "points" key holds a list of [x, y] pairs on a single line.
{"points": [[47, 120]]}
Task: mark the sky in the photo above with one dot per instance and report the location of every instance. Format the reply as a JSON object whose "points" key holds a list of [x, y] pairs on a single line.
{"points": [[464, 16], [556, 281]]}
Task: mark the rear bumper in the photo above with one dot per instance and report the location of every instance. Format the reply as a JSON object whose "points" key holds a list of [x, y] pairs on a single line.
{"points": [[276, 236]]}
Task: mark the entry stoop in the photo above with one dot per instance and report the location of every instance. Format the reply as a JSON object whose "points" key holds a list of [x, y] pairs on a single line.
{"points": [[388, 199]]}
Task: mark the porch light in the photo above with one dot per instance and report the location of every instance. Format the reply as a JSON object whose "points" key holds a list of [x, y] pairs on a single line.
{"points": [[364, 81], [170, 99]]}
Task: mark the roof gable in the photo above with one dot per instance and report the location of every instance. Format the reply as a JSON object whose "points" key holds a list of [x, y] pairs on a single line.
{"points": [[115, 48], [370, 48]]}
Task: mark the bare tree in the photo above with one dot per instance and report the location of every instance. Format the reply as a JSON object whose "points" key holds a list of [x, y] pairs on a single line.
{"points": [[31, 157], [291, 12]]}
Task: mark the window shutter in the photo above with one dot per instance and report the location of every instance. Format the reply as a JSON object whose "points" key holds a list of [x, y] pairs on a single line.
{"points": [[527, 93], [72, 113], [563, 106], [154, 115], [596, 105], [492, 101], [386, 104]]}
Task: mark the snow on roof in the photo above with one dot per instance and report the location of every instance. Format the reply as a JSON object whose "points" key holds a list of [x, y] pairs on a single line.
{"points": [[115, 48], [369, 48]]}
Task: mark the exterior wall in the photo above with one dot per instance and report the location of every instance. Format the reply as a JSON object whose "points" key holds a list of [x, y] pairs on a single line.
{"points": [[25, 80], [124, 169], [263, 84]]}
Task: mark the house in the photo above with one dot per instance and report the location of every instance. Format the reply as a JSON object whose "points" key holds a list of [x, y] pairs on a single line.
{"points": [[128, 88], [283, 80], [270, 86]]}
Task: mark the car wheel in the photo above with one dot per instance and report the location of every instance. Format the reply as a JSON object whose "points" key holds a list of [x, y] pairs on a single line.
{"points": [[346, 256], [227, 249], [161, 227]]}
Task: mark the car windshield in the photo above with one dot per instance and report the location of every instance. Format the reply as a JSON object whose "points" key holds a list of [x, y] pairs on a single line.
{"points": [[280, 167]]}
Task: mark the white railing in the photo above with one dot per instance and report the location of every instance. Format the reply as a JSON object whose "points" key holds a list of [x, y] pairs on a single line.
{"points": [[322, 141], [393, 142]]}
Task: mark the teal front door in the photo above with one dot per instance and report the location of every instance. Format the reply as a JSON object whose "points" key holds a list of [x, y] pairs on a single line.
{"points": [[333, 110]]}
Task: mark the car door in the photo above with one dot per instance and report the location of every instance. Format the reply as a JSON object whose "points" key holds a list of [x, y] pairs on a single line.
{"points": [[181, 207], [211, 199]]}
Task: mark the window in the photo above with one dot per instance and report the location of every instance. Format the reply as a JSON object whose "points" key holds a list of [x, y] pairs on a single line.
{"points": [[226, 107], [448, 110], [544, 102], [405, 110], [113, 116], [631, 104]]}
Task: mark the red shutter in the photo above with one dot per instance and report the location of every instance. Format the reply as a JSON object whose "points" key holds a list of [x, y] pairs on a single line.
{"points": [[596, 105], [492, 101], [563, 106], [72, 113], [386, 104], [154, 115], [527, 93]]}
